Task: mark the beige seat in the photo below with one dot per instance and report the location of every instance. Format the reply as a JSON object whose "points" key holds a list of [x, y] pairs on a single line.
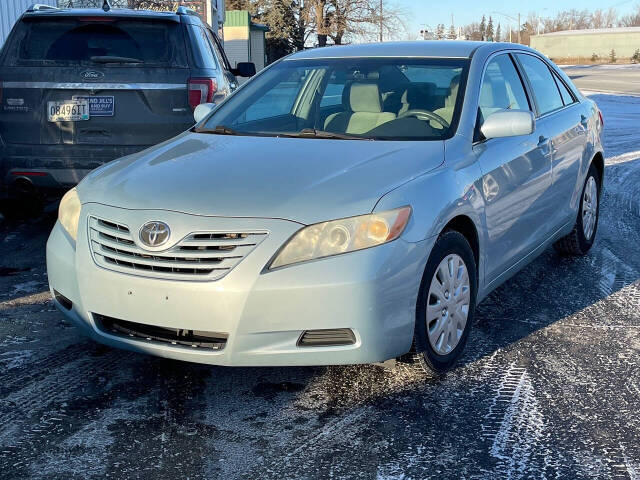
{"points": [[364, 110]]}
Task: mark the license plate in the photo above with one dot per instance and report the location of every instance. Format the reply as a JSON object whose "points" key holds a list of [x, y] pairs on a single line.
{"points": [[68, 111], [99, 106]]}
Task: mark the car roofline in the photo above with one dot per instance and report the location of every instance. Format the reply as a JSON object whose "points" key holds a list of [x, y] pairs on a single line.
{"points": [[98, 12]]}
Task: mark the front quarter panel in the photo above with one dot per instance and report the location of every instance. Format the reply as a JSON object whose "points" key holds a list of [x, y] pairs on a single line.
{"points": [[441, 195]]}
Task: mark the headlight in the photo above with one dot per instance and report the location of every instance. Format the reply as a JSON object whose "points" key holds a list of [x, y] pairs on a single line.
{"points": [[69, 212], [342, 236]]}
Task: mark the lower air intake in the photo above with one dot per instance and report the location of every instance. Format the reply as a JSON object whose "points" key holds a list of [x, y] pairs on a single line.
{"points": [[173, 336], [327, 338]]}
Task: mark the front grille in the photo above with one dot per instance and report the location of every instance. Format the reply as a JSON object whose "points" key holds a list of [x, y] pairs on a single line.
{"points": [[198, 256], [150, 333]]}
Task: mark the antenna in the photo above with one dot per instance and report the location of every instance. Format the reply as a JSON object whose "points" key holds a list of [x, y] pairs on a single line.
{"points": [[106, 6]]}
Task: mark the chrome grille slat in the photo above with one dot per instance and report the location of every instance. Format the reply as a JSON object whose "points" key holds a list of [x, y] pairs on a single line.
{"points": [[102, 228], [250, 240], [199, 256], [225, 263], [237, 252]]}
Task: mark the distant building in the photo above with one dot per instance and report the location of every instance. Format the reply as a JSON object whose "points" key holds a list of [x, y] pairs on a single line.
{"points": [[244, 40], [576, 44]]}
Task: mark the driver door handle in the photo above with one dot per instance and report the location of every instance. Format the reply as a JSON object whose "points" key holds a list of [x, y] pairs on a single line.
{"points": [[544, 144]]}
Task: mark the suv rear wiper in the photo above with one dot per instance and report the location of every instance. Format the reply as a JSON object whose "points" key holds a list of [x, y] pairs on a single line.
{"points": [[114, 59], [313, 133], [219, 130]]}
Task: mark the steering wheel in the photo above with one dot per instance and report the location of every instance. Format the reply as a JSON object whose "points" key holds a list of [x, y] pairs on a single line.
{"points": [[424, 115]]}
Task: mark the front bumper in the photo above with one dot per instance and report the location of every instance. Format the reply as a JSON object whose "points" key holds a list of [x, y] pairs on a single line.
{"points": [[373, 292]]}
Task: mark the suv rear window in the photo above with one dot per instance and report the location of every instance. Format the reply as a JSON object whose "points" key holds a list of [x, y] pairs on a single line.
{"points": [[123, 42]]}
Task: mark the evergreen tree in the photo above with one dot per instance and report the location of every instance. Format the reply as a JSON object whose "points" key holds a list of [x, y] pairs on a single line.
{"points": [[498, 33], [490, 30], [452, 35], [483, 28]]}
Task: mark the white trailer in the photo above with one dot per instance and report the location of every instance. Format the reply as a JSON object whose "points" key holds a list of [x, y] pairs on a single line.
{"points": [[10, 11]]}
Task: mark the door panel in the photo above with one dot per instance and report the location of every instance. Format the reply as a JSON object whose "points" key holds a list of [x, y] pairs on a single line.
{"points": [[569, 140], [515, 185], [516, 174], [564, 120]]}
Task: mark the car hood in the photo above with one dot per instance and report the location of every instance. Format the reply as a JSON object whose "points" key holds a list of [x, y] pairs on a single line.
{"points": [[304, 180]]}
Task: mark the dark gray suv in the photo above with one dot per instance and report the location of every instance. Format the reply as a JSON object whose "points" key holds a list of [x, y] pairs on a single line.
{"points": [[81, 87]]}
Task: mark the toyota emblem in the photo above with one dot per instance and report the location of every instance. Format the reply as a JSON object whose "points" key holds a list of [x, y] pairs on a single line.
{"points": [[154, 234]]}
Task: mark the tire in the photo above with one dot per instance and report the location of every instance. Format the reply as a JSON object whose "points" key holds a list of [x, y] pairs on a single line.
{"points": [[438, 353], [581, 238]]}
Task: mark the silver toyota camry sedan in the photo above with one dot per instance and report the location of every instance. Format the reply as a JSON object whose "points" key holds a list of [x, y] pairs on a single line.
{"points": [[347, 205]]}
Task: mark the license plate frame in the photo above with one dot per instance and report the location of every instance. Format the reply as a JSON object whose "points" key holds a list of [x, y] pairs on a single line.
{"points": [[67, 111], [99, 105]]}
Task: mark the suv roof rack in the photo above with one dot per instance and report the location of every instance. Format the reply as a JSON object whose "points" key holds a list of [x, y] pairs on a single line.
{"points": [[186, 11], [36, 7]]}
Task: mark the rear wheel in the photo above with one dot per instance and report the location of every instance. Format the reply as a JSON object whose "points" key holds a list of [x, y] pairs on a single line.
{"points": [[581, 238], [446, 303]]}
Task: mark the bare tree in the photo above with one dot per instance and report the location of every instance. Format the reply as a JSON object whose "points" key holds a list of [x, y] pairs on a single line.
{"points": [[632, 19], [355, 20], [604, 18]]}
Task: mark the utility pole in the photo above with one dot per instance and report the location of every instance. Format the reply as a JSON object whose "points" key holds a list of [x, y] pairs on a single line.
{"points": [[511, 18], [381, 12]]}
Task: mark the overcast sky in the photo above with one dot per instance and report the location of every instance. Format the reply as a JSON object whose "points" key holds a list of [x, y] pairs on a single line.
{"points": [[431, 13]]}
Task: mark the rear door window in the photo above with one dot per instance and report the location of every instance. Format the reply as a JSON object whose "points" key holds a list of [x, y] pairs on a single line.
{"points": [[222, 59], [89, 41], [567, 98], [542, 82], [207, 57]]}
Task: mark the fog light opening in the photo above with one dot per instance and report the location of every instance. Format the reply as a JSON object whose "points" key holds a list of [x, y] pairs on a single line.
{"points": [[62, 300], [327, 338]]}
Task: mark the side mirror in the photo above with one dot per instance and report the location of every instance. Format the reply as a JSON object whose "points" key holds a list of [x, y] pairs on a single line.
{"points": [[244, 69], [508, 123], [202, 111]]}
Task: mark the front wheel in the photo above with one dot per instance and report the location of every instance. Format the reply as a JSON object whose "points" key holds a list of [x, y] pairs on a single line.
{"points": [[446, 303], [581, 238]]}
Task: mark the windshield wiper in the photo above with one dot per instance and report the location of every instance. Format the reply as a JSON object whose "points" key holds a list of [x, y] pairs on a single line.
{"points": [[219, 130], [114, 59], [313, 133]]}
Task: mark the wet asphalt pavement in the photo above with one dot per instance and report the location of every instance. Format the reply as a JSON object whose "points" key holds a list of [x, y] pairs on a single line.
{"points": [[549, 386]]}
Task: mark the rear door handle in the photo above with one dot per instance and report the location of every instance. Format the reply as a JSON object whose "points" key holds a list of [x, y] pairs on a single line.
{"points": [[584, 121]]}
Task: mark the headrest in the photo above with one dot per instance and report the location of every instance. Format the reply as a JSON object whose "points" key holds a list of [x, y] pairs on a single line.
{"points": [[419, 93], [364, 97], [453, 91]]}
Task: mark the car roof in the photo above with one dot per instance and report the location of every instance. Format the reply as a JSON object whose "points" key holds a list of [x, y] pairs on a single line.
{"points": [[98, 12], [422, 48]]}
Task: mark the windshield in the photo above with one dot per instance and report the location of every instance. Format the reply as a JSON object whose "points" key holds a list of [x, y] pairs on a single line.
{"points": [[359, 98]]}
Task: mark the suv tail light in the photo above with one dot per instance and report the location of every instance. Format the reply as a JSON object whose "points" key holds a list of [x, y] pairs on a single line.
{"points": [[201, 90], [601, 119]]}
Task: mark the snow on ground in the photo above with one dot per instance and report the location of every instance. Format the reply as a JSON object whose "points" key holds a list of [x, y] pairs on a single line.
{"points": [[621, 126]]}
